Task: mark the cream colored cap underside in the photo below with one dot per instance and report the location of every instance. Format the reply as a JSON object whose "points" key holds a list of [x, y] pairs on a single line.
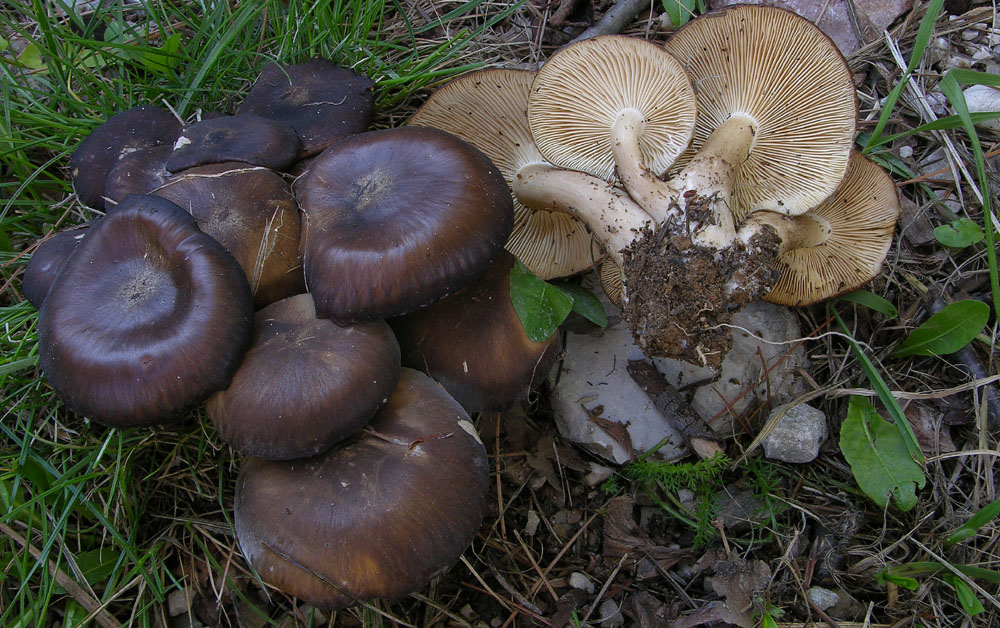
{"points": [[488, 109], [862, 215], [783, 72], [579, 92]]}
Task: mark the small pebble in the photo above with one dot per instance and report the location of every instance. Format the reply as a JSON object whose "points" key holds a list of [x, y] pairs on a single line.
{"points": [[610, 615], [822, 598], [578, 580], [905, 152]]}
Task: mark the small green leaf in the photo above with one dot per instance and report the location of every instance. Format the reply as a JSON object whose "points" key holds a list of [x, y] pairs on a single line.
{"points": [[4, 44], [878, 456], [96, 565], [679, 11], [164, 59], [586, 304], [986, 514], [31, 57], [871, 301], [966, 597], [959, 234], [886, 576], [541, 306], [947, 331]]}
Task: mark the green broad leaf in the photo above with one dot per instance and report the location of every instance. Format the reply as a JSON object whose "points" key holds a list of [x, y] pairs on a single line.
{"points": [[985, 515], [886, 576], [966, 597], [767, 621], [959, 234], [164, 59], [541, 307], [4, 44], [871, 301], [586, 304], [31, 57], [878, 457], [947, 331], [679, 11], [96, 565]]}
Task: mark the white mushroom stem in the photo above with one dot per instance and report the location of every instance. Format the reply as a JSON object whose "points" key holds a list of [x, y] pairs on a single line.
{"points": [[710, 174], [796, 232], [614, 218]]}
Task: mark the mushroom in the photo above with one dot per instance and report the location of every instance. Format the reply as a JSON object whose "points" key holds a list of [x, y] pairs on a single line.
{"points": [[689, 220], [837, 246], [474, 344], [47, 261], [139, 172], [321, 101], [250, 210], [378, 517], [134, 129], [488, 109], [148, 317], [775, 123], [247, 138], [305, 383], [396, 219]]}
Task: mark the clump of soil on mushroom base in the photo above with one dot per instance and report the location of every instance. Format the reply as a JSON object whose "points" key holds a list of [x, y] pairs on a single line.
{"points": [[680, 295]]}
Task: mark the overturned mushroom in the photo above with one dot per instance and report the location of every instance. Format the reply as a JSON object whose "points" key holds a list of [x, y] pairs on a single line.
{"points": [[837, 246]]}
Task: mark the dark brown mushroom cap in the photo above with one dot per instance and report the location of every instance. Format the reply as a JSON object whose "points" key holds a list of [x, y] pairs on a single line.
{"points": [[247, 138], [321, 101], [305, 384], [376, 518], [396, 219], [250, 210], [148, 317], [141, 127], [139, 172], [46, 262], [474, 344]]}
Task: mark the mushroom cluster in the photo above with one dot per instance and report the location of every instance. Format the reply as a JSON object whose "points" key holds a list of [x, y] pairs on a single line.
{"points": [[714, 170], [211, 279]]}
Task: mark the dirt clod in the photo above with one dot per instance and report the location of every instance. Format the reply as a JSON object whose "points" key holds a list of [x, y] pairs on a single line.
{"points": [[680, 296]]}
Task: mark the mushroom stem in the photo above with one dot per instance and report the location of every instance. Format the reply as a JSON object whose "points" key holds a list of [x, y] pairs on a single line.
{"points": [[614, 218], [711, 175], [795, 232]]}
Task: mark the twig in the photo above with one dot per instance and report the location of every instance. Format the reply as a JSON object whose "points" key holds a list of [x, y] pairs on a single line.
{"points": [[88, 602], [615, 19]]}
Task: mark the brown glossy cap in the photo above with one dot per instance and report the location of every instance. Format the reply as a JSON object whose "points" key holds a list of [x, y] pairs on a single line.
{"points": [[488, 109], [378, 517], [141, 127], [321, 101], [139, 172], [582, 89], [778, 69], [305, 383], [396, 219], [474, 344], [843, 241], [247, 138], [250, 210], [148, 317], [47, 261]]}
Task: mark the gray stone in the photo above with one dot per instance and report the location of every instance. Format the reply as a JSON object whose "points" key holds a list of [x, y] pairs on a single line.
{"points": [[762, 334], [822, 598], [984, 98], [610, 615], [797, 436], [597, 404], [580, 581]]}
